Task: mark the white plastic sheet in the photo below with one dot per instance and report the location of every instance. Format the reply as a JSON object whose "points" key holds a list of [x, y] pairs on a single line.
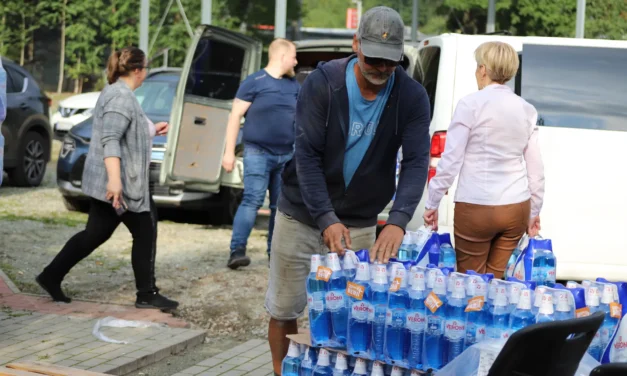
{"points": [[477, 360], [119, 323]]}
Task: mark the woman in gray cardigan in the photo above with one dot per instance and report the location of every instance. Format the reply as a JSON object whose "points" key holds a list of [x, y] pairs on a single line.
{"points": [[115, 176]]}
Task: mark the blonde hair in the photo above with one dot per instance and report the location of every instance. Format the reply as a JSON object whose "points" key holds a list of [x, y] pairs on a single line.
{"points": [[279, 46], [500, 60]]}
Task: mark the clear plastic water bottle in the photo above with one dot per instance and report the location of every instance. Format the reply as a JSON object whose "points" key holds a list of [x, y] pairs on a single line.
{"points": [[319, 322], [498, 328], [397, 371], [547, 310], [323, 367], [396, 319], [522, 315], [539, 292], [341, 366], [336, 300], [447, 257], [379, 300], [595, 349], [455, 327], [407, 247], [514, 295], [378, 369], [543, 271], [609, 323], [416, 318], [359, 324], [291, 363], [476, 317], [571, 285], [361, 367], [431, 276], [562, 308], [350, 265], [309, 358], [434, 333]]}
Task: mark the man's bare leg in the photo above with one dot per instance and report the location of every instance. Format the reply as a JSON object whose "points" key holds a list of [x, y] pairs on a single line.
{"points": [[279, 344]]}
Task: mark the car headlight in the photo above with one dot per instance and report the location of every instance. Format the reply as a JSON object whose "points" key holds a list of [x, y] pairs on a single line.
{"points": [[69, 145], [88, 112]]}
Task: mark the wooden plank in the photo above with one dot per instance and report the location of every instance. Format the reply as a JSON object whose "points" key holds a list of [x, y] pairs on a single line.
{"points": [[13, 372], [50, 369]]}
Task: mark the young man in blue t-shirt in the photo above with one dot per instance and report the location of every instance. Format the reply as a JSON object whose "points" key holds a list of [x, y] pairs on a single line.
{"points": [[268, 101]]}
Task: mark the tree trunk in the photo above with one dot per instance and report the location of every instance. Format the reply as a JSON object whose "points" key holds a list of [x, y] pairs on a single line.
{"points": [[31, 47], [78, 77], [4, 27], [22, 39], [62, 58]]}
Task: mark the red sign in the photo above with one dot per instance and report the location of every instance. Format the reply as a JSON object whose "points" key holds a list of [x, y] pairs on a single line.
{"points": [[351, 18]]}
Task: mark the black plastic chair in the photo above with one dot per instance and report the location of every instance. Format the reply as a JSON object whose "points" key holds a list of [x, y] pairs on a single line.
{"points": [[547, 349], [610, 369]]}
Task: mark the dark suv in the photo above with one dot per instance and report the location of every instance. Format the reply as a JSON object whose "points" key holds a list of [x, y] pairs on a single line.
{"points": [[26, 129]]}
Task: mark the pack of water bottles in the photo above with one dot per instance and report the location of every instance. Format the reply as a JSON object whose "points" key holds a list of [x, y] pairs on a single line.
{"points": [[302, 360], [609, 345], [533, 260]]}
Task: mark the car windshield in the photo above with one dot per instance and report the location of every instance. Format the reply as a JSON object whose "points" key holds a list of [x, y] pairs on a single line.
{"points": [[156, 97]]}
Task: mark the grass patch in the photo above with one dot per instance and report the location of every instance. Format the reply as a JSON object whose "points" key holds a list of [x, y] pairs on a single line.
{"points": [[68, 219], [13, 274], [43, 357]]}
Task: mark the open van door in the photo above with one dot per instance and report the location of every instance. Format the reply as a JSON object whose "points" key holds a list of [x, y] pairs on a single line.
{"points": [[217, 61]]}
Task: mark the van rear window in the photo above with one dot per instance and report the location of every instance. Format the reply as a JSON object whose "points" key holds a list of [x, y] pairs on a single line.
{"points": [[576, 87], [430, 61]]}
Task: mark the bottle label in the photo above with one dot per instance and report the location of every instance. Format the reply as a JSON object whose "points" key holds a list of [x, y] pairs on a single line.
{"points": [[360, 311], [475, 304], [616, 310], [335, 300], [315, 301], [377, 314], [582, 312], [416, 321], [395, 317], [475, 333], [396, 284], [324, 273], [455, 329], [355, 290], [433, 302], [435, 325]]}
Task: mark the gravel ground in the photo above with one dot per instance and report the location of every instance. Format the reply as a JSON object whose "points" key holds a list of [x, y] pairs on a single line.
{"points": [[191, 262]]}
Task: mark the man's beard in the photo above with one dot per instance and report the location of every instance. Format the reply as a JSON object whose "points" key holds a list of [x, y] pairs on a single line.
{"points": [[374, 77], [291, 73]]}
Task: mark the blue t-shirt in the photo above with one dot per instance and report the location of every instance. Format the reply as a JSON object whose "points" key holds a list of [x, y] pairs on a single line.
{"points": [[270, 118], [364, 118]]}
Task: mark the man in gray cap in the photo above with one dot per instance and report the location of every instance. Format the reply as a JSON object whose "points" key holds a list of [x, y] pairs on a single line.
{"points": [[352, 117]]}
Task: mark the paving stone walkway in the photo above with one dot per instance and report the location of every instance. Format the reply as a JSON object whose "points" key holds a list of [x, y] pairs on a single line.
{"points": [[68, 341], [248, 359]]}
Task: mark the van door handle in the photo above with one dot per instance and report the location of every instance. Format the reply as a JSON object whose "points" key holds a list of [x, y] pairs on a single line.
{"points": [[23, 106], [199, 120]]}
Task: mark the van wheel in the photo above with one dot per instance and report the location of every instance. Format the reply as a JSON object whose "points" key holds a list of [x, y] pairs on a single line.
{"points": [[76, 205], [31, 161], [229, 201]]}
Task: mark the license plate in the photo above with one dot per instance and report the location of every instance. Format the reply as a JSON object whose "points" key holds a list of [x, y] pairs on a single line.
{"points": [[62, 126]]}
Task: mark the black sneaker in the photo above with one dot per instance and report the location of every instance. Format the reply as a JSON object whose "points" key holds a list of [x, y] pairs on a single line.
{"points": [[53, 289], [155, 300], [238, 258]]}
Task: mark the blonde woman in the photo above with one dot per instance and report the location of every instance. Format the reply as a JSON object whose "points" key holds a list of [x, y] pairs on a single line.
{"points": [[492, 144]]}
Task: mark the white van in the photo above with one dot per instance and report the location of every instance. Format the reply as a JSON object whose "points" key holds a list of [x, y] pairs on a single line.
{"points": [[579, 87]]}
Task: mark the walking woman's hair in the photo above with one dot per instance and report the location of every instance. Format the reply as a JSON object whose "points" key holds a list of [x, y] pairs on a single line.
{"points": [[124, 61]]}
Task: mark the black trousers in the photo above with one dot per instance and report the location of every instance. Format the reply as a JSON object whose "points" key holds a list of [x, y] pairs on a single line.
{"points": [[102, 222]]}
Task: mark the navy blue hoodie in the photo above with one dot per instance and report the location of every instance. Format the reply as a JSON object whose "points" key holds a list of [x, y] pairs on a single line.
{"points": [[313, 190]]}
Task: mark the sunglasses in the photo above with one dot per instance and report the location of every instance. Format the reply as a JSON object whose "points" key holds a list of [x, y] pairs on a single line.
{"points": [[377, 62]]}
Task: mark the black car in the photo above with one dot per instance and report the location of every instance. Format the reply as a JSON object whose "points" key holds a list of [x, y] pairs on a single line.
{"points": [[26, 129]]}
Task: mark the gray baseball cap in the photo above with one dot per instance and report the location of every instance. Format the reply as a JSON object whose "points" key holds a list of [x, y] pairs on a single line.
{"points": [[382, 34]]}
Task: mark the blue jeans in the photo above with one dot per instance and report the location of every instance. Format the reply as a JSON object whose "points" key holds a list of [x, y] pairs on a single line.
{"points": [[262, 171]]}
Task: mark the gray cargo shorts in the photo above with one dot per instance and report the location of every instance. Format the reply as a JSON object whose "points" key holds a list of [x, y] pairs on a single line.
{"points": [[293, 243]]}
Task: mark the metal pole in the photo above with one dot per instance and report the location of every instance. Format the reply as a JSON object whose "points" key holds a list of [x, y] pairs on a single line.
{"points": [[359, 11], [581, 18], [280, 18], [205, 12], [491, 16], [414, 22], [143, 25]]}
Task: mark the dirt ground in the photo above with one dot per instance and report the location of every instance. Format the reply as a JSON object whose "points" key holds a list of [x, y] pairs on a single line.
{"points": [[191, 262]]}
